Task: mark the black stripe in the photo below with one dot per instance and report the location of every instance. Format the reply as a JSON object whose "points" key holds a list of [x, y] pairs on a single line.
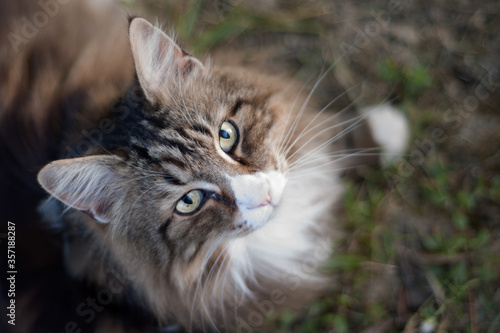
{"points": [[176, 144], [163, 234], [172, 180], [142, 152], [156, 122], [163, 230], [201, 129], [221, 199], [173, 161], [245, 162], [182, 132], [236, 107]]}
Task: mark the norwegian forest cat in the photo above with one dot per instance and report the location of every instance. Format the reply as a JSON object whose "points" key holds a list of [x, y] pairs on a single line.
{"points": [[202, 200]]}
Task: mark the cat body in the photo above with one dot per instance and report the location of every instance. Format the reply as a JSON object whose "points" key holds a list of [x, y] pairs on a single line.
{"points": [[209, 193]]}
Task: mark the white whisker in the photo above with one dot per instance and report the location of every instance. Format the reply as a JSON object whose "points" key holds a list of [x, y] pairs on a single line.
{"points": [[299, 164], [309, 173], [304, 105], [306, 129], [308, 98], [355, 123], [281, 141]]}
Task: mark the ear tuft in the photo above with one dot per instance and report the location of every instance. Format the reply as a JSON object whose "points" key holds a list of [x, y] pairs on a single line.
{"points": [[160, 63], [90, 184]]}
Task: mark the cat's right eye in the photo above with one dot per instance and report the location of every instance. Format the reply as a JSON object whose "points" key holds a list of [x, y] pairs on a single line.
{"points": [[228, 136], [190, 203]]}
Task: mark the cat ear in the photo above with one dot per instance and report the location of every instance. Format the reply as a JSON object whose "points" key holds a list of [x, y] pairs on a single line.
{"points": [[159, 62], [90, 184]]}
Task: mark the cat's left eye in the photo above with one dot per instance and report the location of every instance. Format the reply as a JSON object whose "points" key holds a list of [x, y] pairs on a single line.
{"points": [[189, 203], [228, 136]]}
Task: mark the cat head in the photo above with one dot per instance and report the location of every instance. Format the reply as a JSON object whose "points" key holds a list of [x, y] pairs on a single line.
{"points": [[202, 159], [197, 174]]}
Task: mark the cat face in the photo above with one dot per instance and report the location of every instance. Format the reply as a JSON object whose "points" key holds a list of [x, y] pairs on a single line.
{"points": [[202, 160], [223, 173]]}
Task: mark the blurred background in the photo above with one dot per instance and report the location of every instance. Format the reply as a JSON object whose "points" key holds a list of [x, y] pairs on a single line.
{"points": [[422, 245], [421, 251]]}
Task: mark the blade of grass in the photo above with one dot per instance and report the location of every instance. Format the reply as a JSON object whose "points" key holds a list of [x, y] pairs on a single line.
{"points": [[188, 21]]}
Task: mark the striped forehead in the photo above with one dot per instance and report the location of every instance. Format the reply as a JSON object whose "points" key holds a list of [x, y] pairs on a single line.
{"points": [[186, 142], [179, 151]]}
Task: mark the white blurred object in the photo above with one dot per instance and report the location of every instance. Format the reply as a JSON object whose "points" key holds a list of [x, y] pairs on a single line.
{"points": [[428, 326], [390, 130]]}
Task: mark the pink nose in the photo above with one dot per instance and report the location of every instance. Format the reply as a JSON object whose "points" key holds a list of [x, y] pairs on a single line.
{"points": [[265, 201]]}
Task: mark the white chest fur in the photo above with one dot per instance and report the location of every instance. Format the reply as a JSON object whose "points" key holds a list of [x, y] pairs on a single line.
{"points": [[293, 245]]}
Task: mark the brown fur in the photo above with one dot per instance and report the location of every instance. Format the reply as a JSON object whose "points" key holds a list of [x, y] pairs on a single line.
{"points": [[160, 141], [57, 83]]}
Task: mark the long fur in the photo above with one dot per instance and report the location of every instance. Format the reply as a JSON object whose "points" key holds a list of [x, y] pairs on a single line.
{"points": [[215, 269]]}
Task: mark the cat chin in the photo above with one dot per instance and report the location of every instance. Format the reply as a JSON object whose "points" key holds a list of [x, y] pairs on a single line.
{"points": [[253, 219]]}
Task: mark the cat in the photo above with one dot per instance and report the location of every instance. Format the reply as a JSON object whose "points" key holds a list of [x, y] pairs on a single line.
{"points": [[207, 195], [204, 199]]}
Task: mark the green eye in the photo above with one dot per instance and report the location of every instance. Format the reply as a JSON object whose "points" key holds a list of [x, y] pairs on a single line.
{"points": [[228, 136], [190, 202]]}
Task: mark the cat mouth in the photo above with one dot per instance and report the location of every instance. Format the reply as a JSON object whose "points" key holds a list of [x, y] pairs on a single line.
{"points": [[255, 218]]}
